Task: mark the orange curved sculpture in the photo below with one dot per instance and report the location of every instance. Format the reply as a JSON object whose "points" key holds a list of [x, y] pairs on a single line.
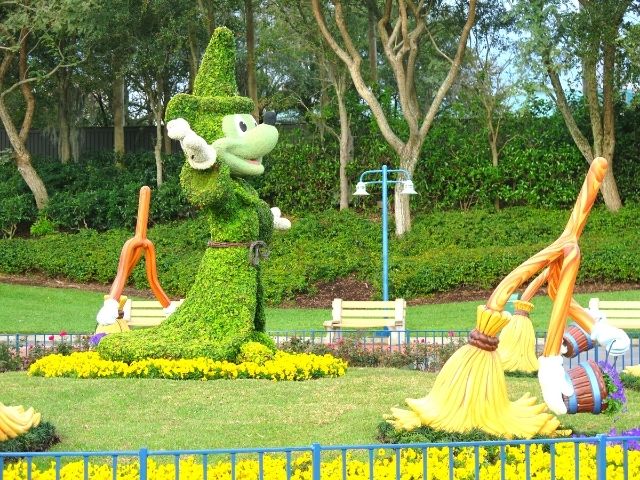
{"points": [[560, 262], [133, 249]]}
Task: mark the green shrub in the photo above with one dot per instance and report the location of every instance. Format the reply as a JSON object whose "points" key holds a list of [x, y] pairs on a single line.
{"points": [[42, 226], [37, 439], [9, 359], [630, 381], [474, 249], [359, 353], [15, 210]]}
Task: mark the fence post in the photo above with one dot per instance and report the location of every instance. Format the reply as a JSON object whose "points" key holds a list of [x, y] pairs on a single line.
{"points": [[316, 460], [17, 343], [601, 457], [143, 463]]}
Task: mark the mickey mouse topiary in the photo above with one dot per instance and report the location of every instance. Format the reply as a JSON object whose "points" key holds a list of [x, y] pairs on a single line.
{"points": [[224, 308]]}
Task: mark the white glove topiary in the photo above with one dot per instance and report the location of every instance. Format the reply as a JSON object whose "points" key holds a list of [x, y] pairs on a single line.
{"points": [[108, 314], [613, 339], [199, 153], [279, 222], [554, 383]]}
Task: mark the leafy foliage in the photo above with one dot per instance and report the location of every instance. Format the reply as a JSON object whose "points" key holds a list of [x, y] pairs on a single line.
{"points": [[472, 249], [36, 439]]}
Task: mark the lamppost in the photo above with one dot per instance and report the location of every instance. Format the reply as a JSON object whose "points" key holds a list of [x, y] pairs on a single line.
{"points": [[399, 175]]}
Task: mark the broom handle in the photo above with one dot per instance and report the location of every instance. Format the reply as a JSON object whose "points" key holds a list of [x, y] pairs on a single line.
{"points": [[572, 232]]}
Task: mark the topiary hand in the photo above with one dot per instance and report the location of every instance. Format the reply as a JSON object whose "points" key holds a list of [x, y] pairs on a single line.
{"points": [[199, 153], [554, 383], [613, 339]]}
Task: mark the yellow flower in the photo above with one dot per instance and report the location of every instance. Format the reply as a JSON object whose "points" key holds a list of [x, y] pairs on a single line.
{"points": [[284, 366]]}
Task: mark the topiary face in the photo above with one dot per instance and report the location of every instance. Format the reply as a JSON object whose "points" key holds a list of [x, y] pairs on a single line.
{"points": [[244, 144]]}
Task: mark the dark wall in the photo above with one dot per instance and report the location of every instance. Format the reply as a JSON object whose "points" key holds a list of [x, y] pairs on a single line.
{"points": [[90, 139]]}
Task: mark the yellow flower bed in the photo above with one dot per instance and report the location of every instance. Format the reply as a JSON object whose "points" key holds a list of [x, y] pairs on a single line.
{"points": [[384, 468], [284, 366]]}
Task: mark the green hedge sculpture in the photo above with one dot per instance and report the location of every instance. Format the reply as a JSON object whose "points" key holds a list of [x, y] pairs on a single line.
{"points": [[224, 308]]}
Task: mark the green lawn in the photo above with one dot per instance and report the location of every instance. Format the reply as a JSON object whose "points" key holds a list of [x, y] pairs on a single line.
{"points": [[27, 309], [163, 414]]}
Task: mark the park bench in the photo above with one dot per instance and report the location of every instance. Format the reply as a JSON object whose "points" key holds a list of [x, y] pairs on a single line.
{"points": [[145, 313], [367, 315], [623, 314]]}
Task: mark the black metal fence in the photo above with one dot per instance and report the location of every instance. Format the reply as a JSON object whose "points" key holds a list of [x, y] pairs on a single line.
{"points": [[43, 143]]}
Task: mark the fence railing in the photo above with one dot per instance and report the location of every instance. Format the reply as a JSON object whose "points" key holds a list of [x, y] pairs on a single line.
{"points": [[379, 339], [591, 457]]}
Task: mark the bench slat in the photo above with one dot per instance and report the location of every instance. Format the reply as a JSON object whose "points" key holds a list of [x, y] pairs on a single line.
{"points": [[350, 324], [625, 324], [368, 304], [615, 304], [621, 313], [145, 313], [369, 313]]}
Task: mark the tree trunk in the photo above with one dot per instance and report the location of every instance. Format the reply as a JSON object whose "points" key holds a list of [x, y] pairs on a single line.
{"points": [[154, 94], [401, 211], [64, 127], [157, 149], [23, 159], [117, 104], [168, 148], [208, 15], [193, 61], [252, 85], [401, 208], [346, 148], [373, 48], [609, 190]]}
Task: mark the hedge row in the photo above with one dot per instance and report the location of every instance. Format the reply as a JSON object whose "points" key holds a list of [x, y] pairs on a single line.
{"points": [[539, 166], [442, 252]]}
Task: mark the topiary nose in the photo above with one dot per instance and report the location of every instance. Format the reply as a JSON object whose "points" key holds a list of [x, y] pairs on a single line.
{"points": [[269, 118]]}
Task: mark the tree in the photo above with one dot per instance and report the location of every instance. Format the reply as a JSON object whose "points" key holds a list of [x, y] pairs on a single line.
{"points": [[585, 39], [296, 15], [161, 55], [29, 28], [489, 81], [250, 29], [401, 31]]}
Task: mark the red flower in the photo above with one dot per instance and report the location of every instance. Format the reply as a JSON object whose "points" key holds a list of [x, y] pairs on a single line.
{"points": [[63, 333], [51, 337]]}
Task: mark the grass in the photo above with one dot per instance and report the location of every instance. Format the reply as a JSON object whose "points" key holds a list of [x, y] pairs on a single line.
{"points": [[163, 414], [28, 309]]}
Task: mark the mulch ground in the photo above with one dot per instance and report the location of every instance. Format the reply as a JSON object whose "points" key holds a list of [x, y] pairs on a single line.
{"points": [[348, 288]]}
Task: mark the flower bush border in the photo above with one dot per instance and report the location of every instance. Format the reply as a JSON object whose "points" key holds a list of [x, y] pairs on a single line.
{"points": [[283, 366]]}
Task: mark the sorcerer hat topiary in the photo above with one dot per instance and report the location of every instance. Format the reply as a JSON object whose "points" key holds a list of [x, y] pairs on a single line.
{"points": [[215, 92]]}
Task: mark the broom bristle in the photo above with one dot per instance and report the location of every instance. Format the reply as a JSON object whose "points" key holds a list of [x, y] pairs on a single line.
{"points": [[517, 348], [470, 392]]}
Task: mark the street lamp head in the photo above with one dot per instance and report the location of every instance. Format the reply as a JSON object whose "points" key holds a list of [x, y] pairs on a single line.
{"points": [[407, 188], [361, 189]]}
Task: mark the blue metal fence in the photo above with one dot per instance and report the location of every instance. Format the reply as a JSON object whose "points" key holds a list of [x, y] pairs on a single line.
{"points": [[368, 339], [599, 457]]}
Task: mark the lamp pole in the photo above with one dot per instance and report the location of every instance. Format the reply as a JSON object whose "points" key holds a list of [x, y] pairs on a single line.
{"points": [[385, 181]]}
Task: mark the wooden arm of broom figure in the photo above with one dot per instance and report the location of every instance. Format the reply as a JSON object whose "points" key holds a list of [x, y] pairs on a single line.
{"points": [[130, 255], [561, 261]]}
